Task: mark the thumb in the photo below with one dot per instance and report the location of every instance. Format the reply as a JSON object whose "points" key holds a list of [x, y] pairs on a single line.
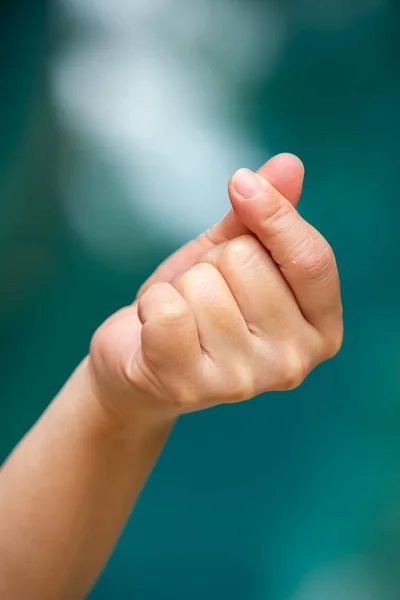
{"points": [[285, 172], [304, 257]]}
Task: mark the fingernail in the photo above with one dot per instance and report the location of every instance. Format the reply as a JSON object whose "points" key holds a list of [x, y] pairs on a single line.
{"points": [[246, 183]]}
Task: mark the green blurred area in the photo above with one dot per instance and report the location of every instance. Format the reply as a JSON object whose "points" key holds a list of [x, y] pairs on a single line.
{"points": [[254, 500]]}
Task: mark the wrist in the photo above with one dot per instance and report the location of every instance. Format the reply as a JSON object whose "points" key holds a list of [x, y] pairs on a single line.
{"points": [[102, 419]]}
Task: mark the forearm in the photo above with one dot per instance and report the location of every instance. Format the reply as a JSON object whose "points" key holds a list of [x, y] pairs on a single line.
{"points": [[66, 492]]}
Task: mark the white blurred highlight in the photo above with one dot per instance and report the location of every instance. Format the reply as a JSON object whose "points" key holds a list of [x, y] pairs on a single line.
{"points": [[351, 579], [148, 95]]}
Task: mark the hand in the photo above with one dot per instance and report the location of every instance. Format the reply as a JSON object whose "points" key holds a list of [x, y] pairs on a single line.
{"points": [[250, 307]]}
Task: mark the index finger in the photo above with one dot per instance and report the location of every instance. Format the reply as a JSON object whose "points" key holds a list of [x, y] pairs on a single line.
{"points": [[285, 172]]}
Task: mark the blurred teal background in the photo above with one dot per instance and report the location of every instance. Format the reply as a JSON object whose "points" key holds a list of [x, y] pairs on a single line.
{"points": [[120, 124]]}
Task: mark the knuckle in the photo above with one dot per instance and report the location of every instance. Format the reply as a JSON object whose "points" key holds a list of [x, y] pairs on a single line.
{"points": [[292, 370], [164, 304], [244, 390], [235, 386], [316, 260], [158, 289], [172, 313], [195, 393], [196, 278], [277, 213], [243, 387], [239, 252], [204, 284], [156, 292]]}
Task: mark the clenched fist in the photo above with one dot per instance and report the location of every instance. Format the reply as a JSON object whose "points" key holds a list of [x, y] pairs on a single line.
{"points": [[250, 306]]}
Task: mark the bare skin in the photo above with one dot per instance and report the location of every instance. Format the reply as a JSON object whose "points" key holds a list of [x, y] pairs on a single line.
{"points": [[249, 307]]}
